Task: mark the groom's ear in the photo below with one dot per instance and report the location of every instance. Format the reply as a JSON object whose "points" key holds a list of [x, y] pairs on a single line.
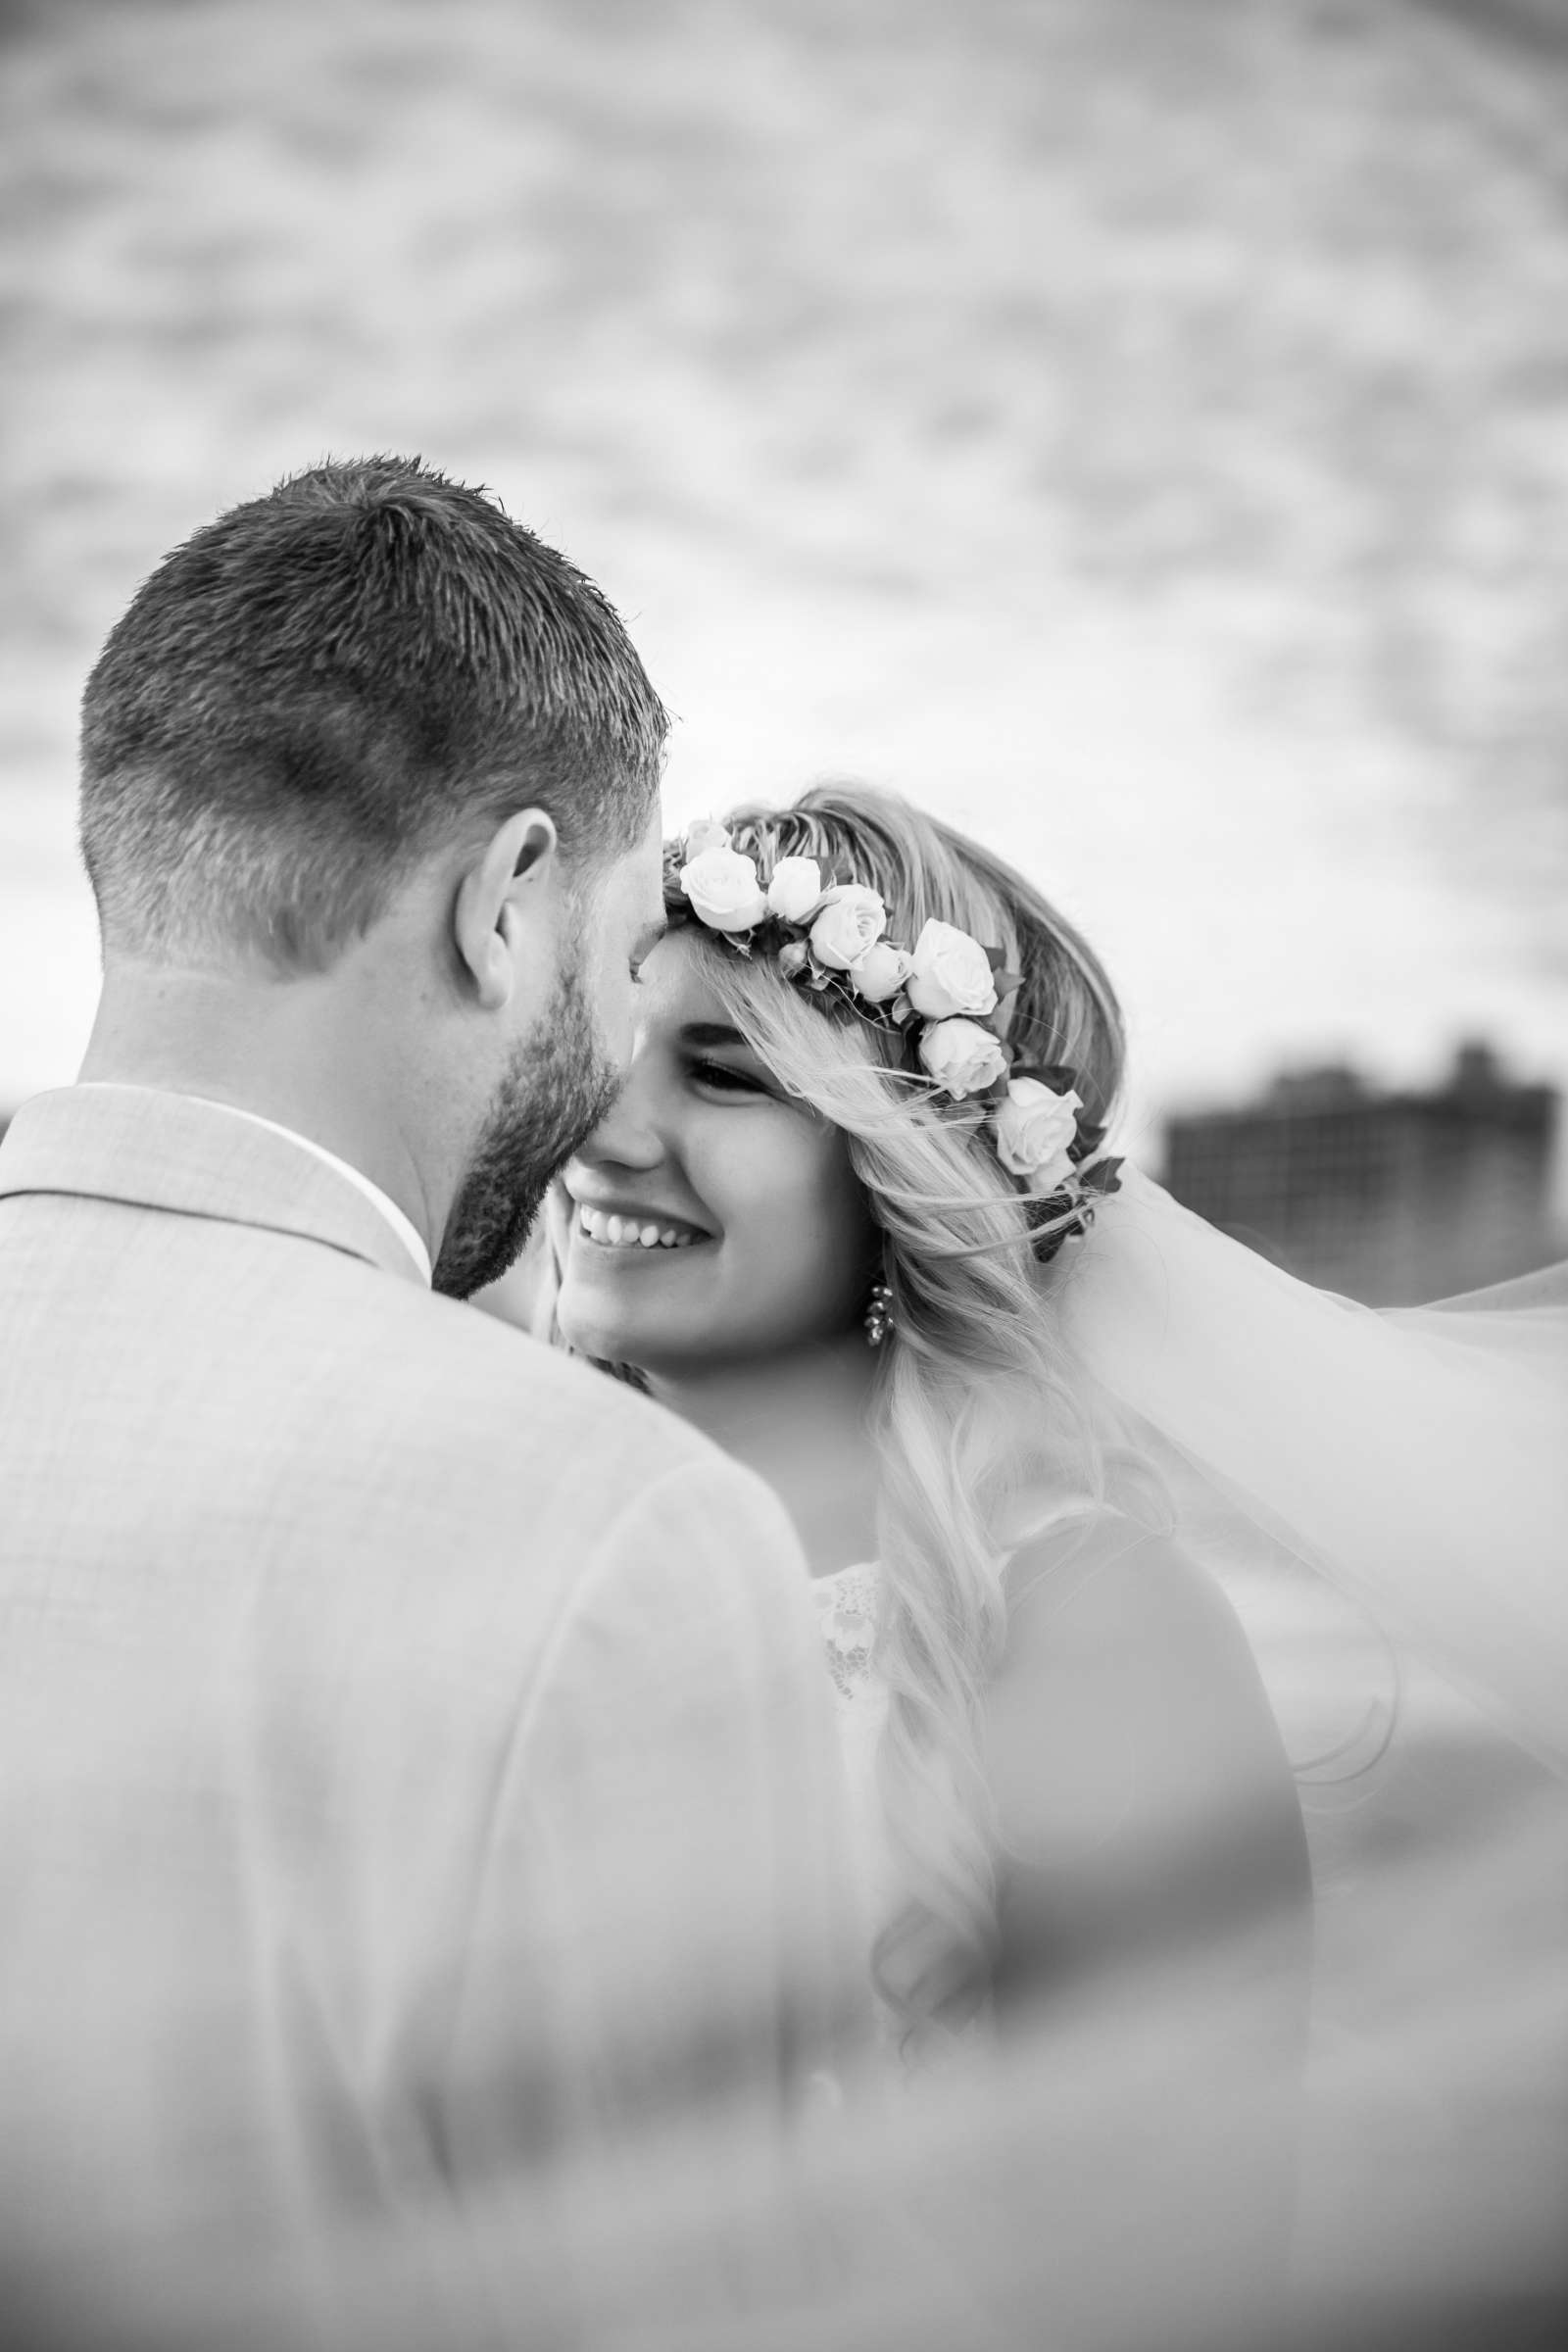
{"points": [[493, 901]]}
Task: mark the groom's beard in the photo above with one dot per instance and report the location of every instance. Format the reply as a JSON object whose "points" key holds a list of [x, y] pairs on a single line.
{"points": [[555, 1094]]}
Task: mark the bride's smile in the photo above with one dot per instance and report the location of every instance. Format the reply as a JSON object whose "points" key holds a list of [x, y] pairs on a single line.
{"points": [[624, 1226], [710, 1217]]}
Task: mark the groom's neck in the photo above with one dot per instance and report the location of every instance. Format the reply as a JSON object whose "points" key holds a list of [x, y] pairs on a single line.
{"points": [[298, 1052]]}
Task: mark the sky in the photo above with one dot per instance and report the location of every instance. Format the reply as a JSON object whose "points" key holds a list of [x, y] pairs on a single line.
{"points": [[1136, 428]]}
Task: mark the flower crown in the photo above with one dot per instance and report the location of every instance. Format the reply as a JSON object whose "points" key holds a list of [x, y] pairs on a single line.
{"points": [[942, 998]]}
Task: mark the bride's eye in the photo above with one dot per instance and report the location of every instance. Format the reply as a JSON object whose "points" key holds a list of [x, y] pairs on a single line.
{"points": [[724, 1079]]}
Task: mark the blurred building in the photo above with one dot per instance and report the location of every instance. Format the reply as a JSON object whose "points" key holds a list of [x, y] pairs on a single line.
{"points": [[1388, 1198]]}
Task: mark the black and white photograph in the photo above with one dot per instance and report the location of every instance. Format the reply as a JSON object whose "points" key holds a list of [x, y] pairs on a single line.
{"points": [[783, 1223]]}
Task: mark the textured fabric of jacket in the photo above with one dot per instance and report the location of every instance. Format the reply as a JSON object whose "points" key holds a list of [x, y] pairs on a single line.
{"points": [[416, 1766]]}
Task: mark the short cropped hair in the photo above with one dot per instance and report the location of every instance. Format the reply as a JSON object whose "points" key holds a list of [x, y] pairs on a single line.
{"points": [[322, 687]]}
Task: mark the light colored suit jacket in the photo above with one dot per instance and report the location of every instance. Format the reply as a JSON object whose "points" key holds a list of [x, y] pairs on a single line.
{"points": [[415, 1767]]}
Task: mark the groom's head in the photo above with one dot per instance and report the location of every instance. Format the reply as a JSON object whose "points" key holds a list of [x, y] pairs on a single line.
{"points": [[366, 744]]}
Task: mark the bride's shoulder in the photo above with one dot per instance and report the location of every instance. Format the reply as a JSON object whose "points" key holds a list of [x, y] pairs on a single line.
{"points": [[1126, 1670], [1097, 1589]]}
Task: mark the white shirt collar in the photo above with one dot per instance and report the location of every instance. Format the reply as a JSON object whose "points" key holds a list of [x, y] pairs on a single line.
{"points": [[402, 1225]]}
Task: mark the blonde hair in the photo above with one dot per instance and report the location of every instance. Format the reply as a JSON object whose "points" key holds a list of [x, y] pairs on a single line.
{"points": [[973, 1331]]}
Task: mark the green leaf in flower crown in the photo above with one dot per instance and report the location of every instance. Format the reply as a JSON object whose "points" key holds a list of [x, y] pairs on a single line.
{"points": [[1005, 984], [1103, 1177]]}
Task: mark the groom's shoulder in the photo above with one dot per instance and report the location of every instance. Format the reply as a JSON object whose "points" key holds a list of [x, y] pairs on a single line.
{"points": [[513, 1417], [537, 1469]]}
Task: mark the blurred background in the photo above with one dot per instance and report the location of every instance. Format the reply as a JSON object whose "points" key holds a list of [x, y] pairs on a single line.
{"points": [[1137, 429]]}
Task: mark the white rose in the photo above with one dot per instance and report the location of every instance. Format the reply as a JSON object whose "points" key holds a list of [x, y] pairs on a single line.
{"points": [[949, 973], [1034, 1128], [852, 921], [723, 890], [705, 833], [879, 973], [795, 889], [1051, 1176], [961, 1056]]}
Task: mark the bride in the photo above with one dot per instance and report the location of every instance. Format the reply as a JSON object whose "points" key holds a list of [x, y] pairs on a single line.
{"points": [[853, 1215], [828, 1222]]}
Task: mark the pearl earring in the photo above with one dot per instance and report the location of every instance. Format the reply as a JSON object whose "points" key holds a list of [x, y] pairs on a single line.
{"points": [[878, 1314]]}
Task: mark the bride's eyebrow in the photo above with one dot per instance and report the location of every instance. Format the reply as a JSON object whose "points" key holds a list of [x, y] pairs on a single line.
{"points": [[711, 1033]]}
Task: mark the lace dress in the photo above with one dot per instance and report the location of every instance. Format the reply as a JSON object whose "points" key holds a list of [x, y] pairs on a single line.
{"points": [[847, 1606]]}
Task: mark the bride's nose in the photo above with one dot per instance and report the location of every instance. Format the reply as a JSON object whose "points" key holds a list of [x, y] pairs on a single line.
{"points": [[630, 1134]]}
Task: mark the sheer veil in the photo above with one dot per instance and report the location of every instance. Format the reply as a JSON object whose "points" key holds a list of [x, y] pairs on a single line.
{"points": [[1414, 1458]]}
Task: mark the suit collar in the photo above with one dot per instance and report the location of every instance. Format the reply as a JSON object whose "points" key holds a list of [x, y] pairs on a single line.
{"points": [[191, 1158]]}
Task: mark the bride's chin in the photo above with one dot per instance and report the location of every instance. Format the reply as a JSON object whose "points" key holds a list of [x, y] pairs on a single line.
{"points": [[586, 1335], [589, 1333]]}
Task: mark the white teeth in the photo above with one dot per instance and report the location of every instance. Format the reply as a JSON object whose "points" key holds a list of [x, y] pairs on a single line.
{"points": [[631, 1233]]}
